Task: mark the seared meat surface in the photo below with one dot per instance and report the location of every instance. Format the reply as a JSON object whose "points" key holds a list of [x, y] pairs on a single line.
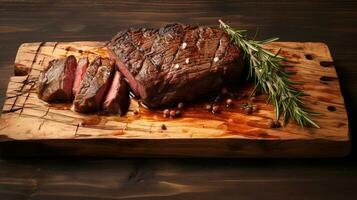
{"points": [[175, 63]]}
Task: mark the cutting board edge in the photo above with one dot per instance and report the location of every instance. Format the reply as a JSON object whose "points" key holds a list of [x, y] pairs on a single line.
{"points": [[343, 151]]}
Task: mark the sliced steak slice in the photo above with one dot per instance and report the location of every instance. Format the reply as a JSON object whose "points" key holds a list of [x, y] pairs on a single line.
{"points": [[79, 75], [175, 63], [117, 99], [56, 81], [94, 85]]}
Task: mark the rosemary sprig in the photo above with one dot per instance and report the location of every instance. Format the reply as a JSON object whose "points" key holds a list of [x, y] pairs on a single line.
{"points": [[270, 76]]}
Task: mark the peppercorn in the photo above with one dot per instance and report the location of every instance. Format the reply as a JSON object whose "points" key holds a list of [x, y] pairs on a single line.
{"points": [[166, 113], [163, 127], [180, 105], [229, 102], [274, 124], [215, 109], [172, 113], [208, 107], [248, 110], [277, 124], [136, 111]]}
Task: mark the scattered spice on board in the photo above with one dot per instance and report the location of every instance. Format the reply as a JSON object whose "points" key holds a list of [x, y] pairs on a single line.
{"points": [[163, 127], [215, 109], [180, 105]]}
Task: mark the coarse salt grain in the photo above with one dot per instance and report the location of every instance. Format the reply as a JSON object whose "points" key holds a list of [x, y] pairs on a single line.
{"points": [[177, 66], [184, 45], [215, 59], [187, 60]]}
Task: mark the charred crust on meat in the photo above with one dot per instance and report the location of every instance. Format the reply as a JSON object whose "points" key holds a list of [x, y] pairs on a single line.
{"points": [[156, 80]]}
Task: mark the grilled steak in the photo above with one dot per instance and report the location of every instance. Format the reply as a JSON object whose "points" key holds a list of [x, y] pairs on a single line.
{"points": [[80, 72], [117, 99], [94, 85], [55, 82], [175, 63]]}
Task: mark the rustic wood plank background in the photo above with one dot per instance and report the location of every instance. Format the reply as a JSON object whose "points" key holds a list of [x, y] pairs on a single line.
{"points": [[332, 22]]}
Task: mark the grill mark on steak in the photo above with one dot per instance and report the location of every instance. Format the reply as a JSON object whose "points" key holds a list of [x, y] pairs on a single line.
{"points": [[141, 51], [178, 47], [162, 46], [167, 65], [148, 54], [118, 36], [129, 41], [171, 74], [199, 38], [137, 47], [215, 52]]}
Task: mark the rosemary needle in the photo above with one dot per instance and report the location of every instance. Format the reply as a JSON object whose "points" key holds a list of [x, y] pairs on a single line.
{"points": [[269, 76]]}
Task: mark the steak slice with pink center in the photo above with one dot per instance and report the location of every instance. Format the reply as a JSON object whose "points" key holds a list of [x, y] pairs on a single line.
{"points": [[117, 100], [79, 75], [56, 81], [94, 86]]}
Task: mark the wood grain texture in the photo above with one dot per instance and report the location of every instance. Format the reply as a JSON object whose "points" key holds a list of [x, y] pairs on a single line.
{"points": [[229, 134], [196, 179], [169, 179]]}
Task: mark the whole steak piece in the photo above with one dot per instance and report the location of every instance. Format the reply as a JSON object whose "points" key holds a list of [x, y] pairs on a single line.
{"points": [[175, 63], [56, 81], [117, 100], [94, 85]]}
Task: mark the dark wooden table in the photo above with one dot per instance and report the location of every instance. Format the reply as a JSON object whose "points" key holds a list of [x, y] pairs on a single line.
{"points": [[332, 22]]}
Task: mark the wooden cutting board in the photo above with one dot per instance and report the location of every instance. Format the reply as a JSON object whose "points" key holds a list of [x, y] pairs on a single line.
{"points": [[31, 127]]}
